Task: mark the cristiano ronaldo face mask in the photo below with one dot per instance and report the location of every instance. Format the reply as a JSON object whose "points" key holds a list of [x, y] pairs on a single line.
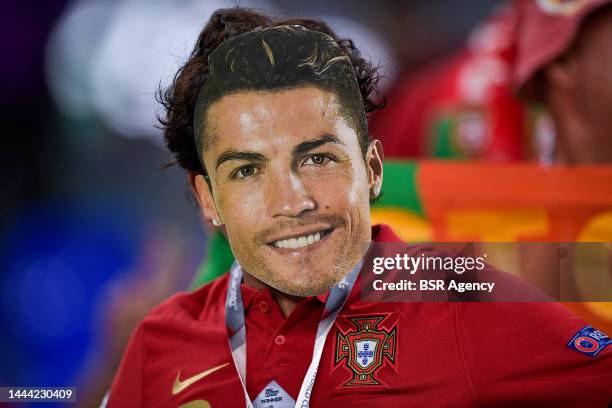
{"points": [[290, 180]]}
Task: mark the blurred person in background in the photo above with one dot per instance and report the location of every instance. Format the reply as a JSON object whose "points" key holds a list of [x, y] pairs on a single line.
{"points": [[532, 82], [459, 106], [564, 62], [260, 177]]}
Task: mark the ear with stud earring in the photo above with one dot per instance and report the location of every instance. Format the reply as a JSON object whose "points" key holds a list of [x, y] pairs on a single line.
{"points": [[215, 222], [375, 190]]}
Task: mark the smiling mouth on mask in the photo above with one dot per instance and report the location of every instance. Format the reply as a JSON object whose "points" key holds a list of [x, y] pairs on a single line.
{"points": [[301, 241]]}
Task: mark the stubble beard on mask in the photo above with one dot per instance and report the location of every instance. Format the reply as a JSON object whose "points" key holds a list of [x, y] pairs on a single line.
{"points": [[305, 280], [308, 281]]}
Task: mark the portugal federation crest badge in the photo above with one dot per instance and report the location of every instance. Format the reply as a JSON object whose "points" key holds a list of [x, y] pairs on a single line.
{"points": [[365, 348]]}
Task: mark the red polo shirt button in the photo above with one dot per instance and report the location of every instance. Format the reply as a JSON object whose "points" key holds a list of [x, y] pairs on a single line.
{"points": [[263, 306], [280, 340]]}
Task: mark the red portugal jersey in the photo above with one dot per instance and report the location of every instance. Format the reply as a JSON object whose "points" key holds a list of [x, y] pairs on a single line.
{"points": [[392, 354]]}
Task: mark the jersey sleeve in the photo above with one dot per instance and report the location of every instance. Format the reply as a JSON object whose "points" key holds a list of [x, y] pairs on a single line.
{"points": [[127, 387], [521, 354]]}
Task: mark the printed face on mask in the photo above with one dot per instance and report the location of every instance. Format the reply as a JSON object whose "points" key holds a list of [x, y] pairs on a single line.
{"points": [[290, 183]]}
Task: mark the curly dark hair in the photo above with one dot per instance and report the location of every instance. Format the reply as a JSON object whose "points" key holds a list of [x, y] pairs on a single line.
{"points": [[180, 98]]}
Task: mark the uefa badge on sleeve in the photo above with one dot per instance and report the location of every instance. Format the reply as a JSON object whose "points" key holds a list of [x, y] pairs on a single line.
{"points": [[589, 341]]}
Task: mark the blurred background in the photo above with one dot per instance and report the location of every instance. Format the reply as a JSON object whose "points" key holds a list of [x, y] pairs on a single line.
{"points": [[94, 232]]}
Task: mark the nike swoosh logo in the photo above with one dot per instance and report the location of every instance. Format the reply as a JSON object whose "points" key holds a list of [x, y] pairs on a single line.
{"points": [[179, 385]]}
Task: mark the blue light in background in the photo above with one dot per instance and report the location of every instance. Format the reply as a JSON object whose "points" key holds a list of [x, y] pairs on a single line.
{"points": [[57, 258]]}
